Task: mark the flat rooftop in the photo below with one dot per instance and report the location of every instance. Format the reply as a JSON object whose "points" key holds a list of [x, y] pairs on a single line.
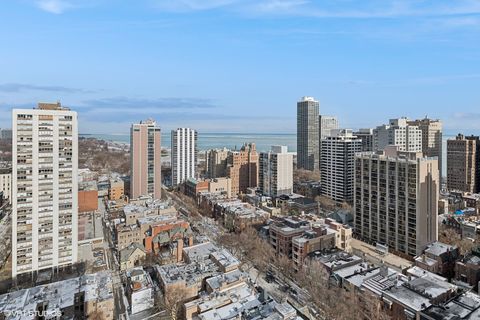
{"points": [[370, 253], [190, 274], [439, 248], [57, 295]]}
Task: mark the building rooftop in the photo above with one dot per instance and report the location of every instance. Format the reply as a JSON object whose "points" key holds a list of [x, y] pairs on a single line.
{"points": [[336, 260], [57, 295], [190, 274], [407, 297], [127, 252], [139, 279], [217, 282], [216, 306], [370, 253], [439, 248], [225, 259], [51, 106], [158, 219], [464, 306], [200, 251]]}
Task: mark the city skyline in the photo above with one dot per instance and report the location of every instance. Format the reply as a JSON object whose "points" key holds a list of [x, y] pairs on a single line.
{"points": [[169, 60]]}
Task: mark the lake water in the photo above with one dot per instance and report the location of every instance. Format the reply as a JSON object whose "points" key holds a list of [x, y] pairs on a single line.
{"points": [[263, 141], [207, 141]]}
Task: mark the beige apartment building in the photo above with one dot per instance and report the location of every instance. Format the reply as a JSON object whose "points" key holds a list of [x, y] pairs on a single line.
{"points": [[242, 168], [145, 155], [6, 183], [463, 163], [117, 189], [396, 200], [431, 138], [216, 163]]}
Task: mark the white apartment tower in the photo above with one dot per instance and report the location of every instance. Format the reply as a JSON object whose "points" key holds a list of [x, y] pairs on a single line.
{"points": [[184, 154], [327, 124], [398, 133], [337, 164], [44, 188], [276, 172]]}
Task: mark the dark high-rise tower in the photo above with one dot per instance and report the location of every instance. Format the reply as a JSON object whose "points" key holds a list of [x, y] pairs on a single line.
{"points": [[308, 135]]}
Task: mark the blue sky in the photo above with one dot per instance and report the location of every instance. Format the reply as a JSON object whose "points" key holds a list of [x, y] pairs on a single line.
{"points": [[241, 65]]}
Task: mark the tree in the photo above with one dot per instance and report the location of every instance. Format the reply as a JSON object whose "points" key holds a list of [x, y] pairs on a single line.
{"points": [[326, 203], [96, 315], [173, 300], [452, 237], [302, 175]]}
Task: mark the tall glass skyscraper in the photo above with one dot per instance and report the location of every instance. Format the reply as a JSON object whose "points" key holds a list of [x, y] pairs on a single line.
{"points": [[308, 135]]}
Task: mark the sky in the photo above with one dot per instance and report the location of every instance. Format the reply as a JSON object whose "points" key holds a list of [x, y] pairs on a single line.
{"points": [[241, 65]]}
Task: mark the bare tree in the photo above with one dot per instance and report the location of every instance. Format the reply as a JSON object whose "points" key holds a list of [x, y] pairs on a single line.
{"points": [[172, 301], [326, 203], [96, 315], [301, 175], [452, 237]]}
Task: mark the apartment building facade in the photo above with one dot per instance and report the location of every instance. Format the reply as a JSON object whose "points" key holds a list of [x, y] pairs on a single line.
{"points": [[242, 168], [463, 163], [337, 164], [184, 155], [308, 134], [432, 133], [6, 183], [276, 172], [145, 157], [396, 200], [398, 133], [327, 124], [216, 163], [366, 134], [44, 188]]}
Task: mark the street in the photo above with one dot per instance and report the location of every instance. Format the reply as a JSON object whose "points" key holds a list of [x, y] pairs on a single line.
{"points": [[112, 263], [5, 237]]}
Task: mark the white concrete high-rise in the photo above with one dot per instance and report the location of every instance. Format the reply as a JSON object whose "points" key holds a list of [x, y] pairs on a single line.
{"points": [[337, 164], [398, 133], [44, 188], [184, 154], [327, 124], [276, 172]]}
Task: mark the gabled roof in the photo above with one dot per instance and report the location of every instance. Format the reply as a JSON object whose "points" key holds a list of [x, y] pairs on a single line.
{"points": [[128, 251]]}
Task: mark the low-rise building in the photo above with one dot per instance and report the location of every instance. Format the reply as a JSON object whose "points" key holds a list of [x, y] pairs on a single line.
{"points": [[140, 208], [281, 234], [89, 296], [467, 269], [201, 262], [317, 239], [139, 290], [130, 255], [87, 197], [223, 185], [439, 258], [166, 236], [127, 234], [465, 306], [343, 235]]}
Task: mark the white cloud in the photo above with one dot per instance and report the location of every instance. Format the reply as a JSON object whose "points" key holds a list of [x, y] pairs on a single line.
{"points": [[54, 6]]}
